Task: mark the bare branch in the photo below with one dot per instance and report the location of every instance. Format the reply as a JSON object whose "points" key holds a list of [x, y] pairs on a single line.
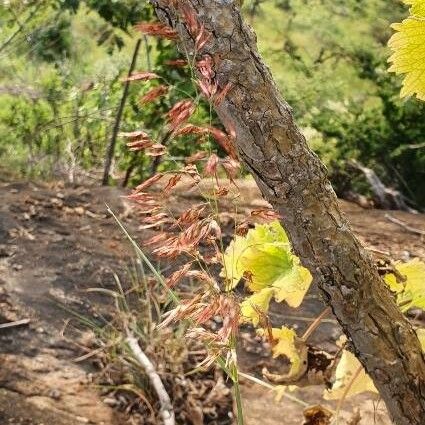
{"points": [[167, 411]]}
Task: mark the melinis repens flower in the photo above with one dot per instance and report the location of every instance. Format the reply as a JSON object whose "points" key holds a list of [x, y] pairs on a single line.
{"points": [[156, 150], [180, 113], [140, 76], [176, 62], [226, 141], [156, 29], [153, 94], [138, 140]]}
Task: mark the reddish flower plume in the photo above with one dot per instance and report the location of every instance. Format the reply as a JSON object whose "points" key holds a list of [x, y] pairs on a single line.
{"points": [[198, 156], [180, 113], [176, 62], [222, 94], [156, 29], [138, 140], [202, 38], [138, 145], [190, 129], [205, 67], [266, 214], [134, 135], [212, 164], [140, 76], [153, 94], [156, 150], [172, 182], [190, 19], [226, 141], [178, 275], [149, 182]]}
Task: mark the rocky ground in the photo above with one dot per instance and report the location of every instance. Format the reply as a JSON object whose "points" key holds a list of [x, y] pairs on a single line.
{"points": [[56, 242]]}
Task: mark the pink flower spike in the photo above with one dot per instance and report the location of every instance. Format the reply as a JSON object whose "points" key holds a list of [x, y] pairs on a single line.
{"points": [[153, 94], [222, 94], [140, 76], [156, 29], [156, 150]]}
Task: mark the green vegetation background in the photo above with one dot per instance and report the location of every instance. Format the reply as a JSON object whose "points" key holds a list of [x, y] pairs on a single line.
{"points": [[61, 62]]}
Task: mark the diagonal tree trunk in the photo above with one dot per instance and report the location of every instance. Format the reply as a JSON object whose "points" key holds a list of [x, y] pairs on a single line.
{"points": [[294, 181]]}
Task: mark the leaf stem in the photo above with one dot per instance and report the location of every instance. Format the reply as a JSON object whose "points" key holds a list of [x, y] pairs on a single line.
{"points": [[315, 324]]}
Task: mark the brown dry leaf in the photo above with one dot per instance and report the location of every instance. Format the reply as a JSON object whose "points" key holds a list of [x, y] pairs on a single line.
{"points": [[317, 415]]}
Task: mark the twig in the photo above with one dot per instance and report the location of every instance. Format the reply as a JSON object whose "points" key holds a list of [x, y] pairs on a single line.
{"points": [[16, 323], [316, 323], [272, 387], [346, 391], [404, 225], [167, 411], [378, 251]]}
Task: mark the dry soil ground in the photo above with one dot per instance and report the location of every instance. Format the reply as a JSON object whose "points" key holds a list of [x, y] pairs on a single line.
{"points": [[56, 242]]}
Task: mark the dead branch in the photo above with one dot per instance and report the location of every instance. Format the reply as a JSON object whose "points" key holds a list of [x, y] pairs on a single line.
{"points": [[15, 323], [167, 411], [404, 225], [385, 197]]}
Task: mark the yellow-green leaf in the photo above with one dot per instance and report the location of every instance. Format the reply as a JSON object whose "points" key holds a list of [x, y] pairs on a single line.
{"points": [[410, 293], [256, 304], [232, 267], [417, 7], [258, 252], [264, 254], [350, 379], [288, 344], [292, 287], [408, 46]]}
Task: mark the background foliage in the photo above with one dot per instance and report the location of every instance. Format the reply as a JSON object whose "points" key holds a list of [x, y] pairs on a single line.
{"points": [[61, 62]]}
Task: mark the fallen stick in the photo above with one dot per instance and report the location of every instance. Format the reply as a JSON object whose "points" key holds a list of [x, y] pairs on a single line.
{"points": [[14, 324], [404, 225], [167, 411]]}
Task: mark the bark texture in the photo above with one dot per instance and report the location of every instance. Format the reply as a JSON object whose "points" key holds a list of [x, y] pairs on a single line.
{"points": [[294, 181]]}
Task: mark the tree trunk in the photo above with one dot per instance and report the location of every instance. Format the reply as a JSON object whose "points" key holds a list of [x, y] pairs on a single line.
{"points": [[294, 181]]}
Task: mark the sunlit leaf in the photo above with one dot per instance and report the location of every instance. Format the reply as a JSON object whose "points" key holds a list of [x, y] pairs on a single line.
{"points": [[266, 264], [286, 345], [411, 292], [255, 305], [292, 287], [232, 267], [418, 7], [408, 45], [264, 256], [350, 379]]}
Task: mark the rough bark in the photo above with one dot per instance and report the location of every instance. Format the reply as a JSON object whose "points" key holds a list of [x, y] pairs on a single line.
{"points": [[294, 181]]}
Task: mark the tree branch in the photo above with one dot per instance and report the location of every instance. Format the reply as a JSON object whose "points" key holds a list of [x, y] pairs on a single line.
{"points": [[167, 411]]}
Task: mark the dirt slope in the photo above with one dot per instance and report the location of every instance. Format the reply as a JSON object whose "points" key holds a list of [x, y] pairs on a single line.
{"points": [[57, 242]]}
